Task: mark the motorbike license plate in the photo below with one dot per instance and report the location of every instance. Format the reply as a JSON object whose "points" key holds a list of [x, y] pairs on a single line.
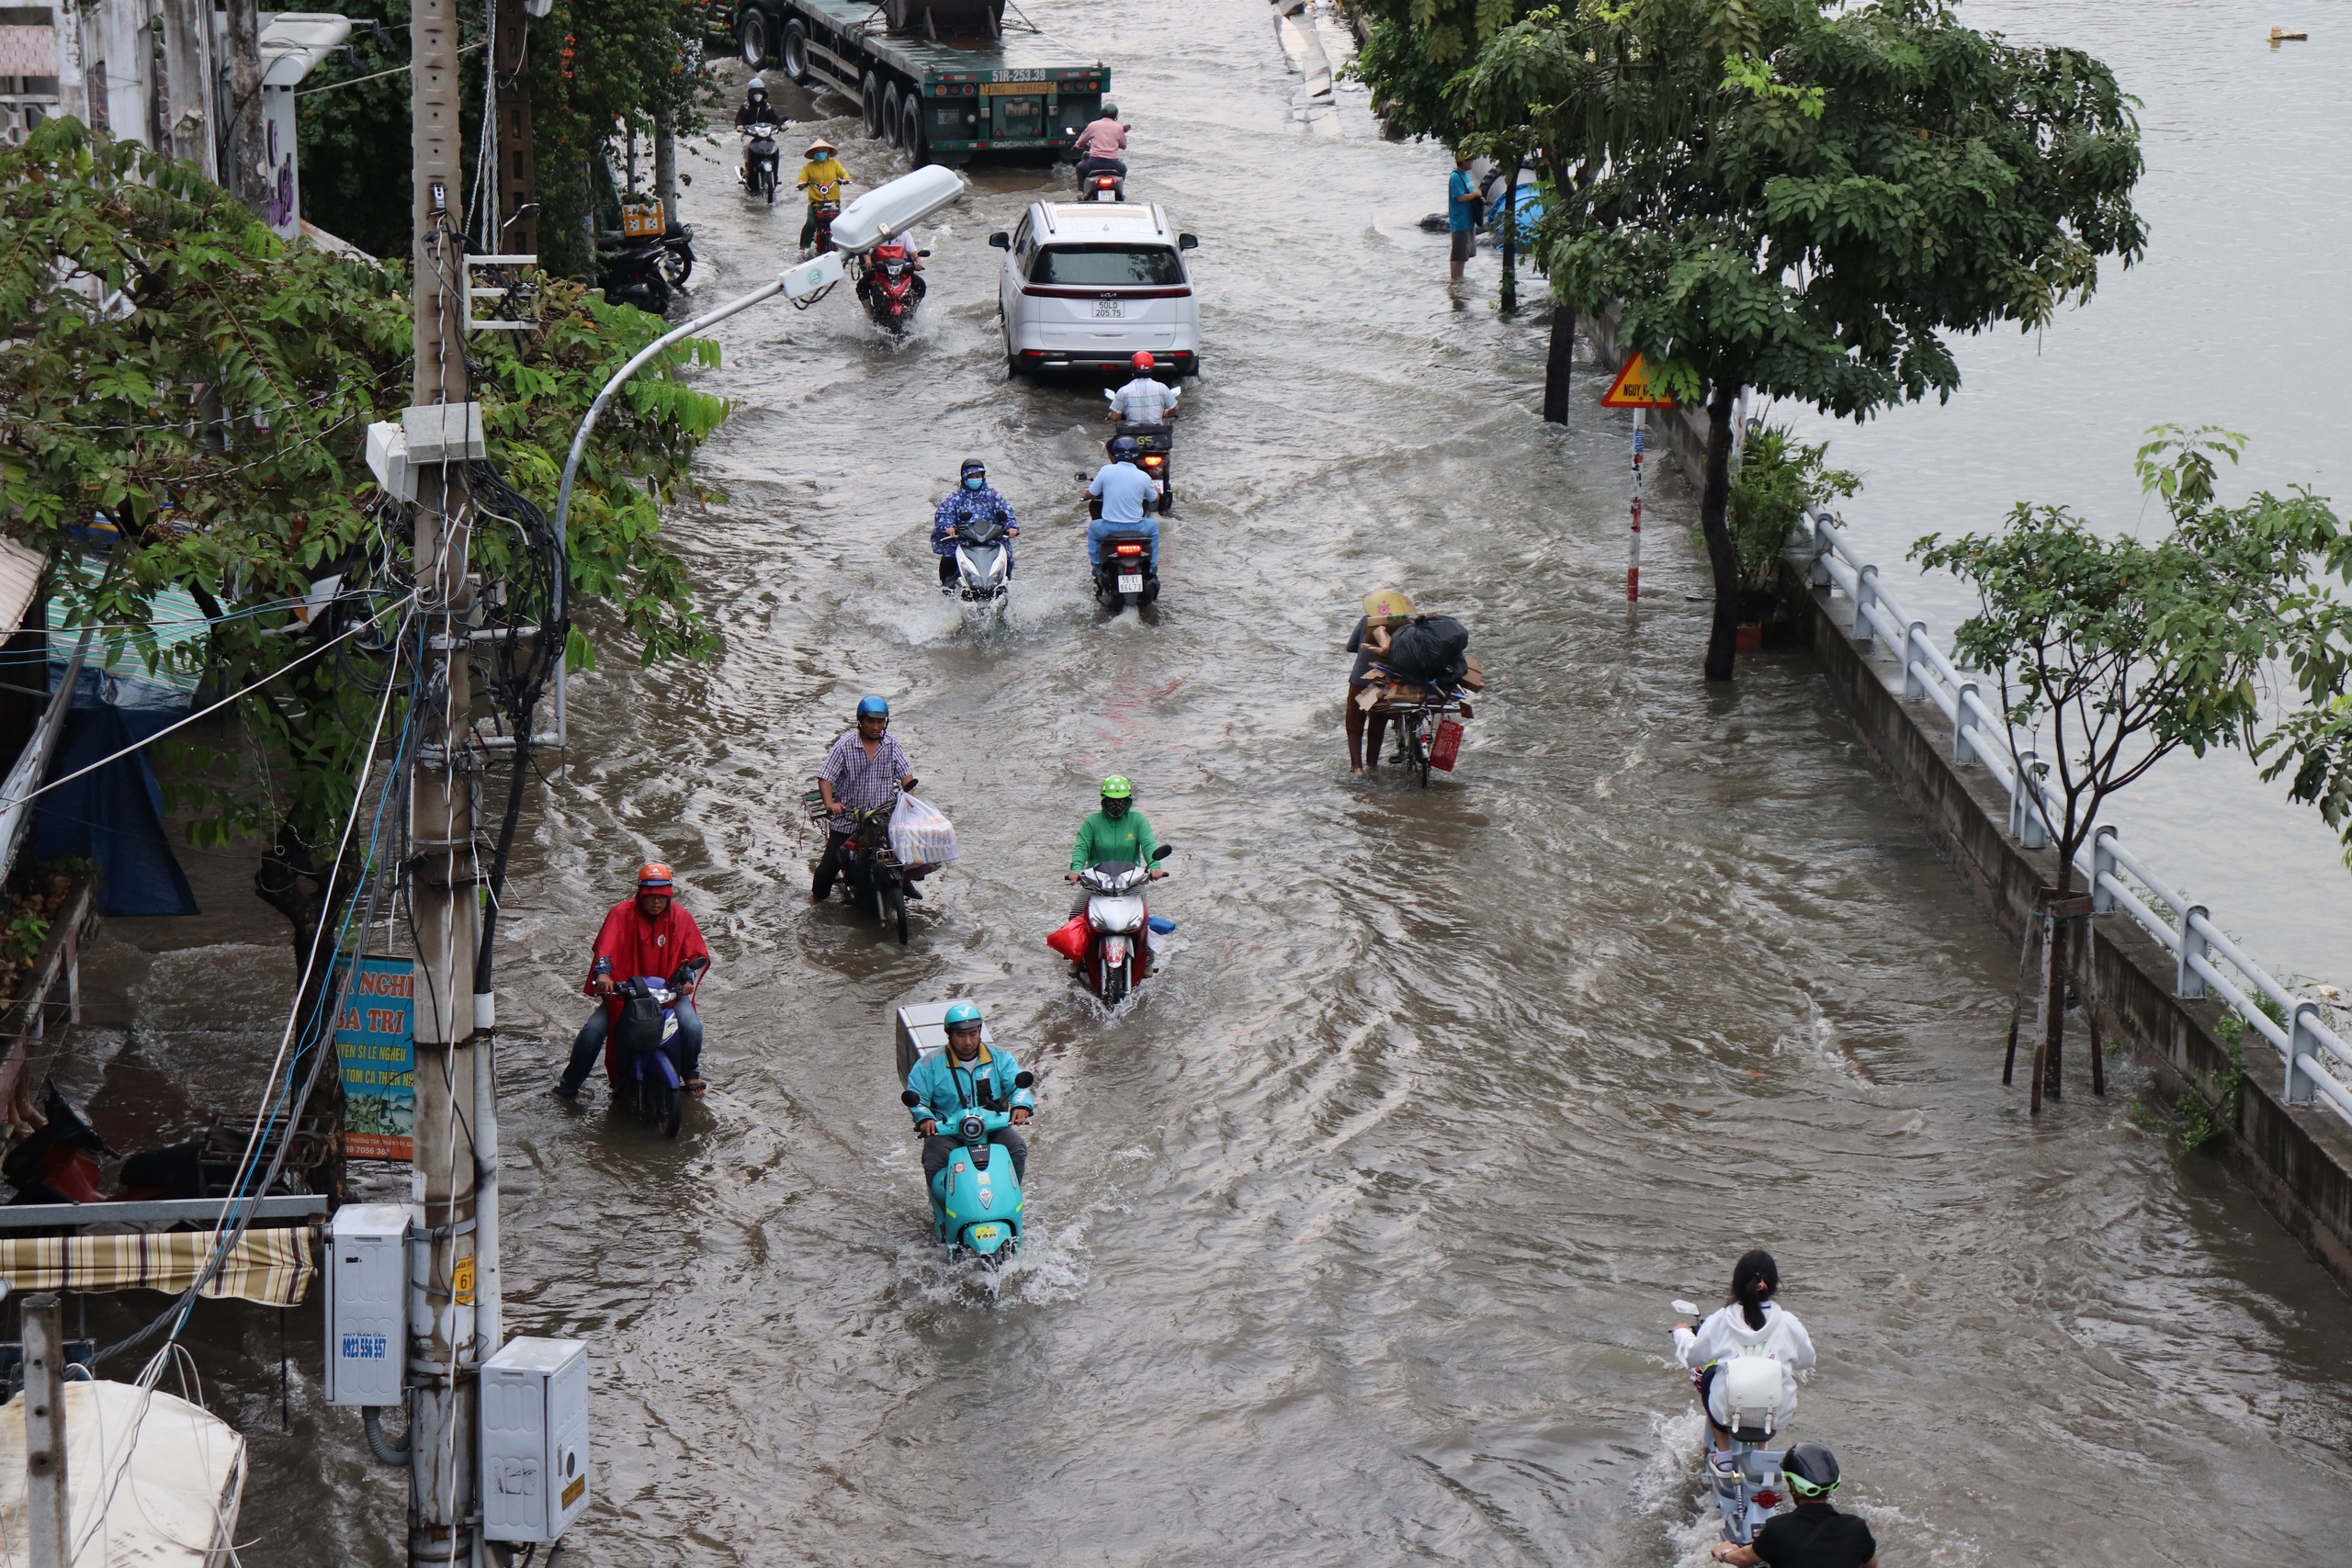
{"points": [[1130, 583], [985, 1233], [1110, 309]]}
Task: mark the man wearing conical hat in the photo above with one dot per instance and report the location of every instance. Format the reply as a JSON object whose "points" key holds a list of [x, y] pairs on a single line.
{"points": [[1385, 609]]}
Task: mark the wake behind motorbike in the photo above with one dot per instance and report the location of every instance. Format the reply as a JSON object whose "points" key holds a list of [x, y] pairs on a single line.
{"points": [[976, 1197], [649, 1057], [1117, 954], [760, 159], [1745, 1478], [889, 285], [984, 569]]}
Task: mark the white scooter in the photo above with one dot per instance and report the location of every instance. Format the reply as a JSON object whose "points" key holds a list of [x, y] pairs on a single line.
{"points": [[984, 569], [1746, 1479]]}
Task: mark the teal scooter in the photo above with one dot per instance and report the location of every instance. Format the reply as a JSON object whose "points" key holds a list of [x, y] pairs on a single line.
{"points": [[976, 1197]]}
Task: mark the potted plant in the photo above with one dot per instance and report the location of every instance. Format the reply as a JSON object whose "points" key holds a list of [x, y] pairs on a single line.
{"points": [[1778, 476]]}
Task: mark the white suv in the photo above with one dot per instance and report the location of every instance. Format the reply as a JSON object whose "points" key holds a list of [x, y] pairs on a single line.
{"points": [[1086, 283]]}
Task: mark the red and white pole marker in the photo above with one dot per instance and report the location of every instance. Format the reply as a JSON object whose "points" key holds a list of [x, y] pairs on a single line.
{"points": [[1632, 391], [1633, 541]]}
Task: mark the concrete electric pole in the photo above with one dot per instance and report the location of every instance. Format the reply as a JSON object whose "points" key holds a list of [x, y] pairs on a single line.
{"points": [[443, 429]]}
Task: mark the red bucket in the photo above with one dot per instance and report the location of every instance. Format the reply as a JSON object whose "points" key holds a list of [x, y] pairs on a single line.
{"points": [[1071, 939], [1446, 746]]}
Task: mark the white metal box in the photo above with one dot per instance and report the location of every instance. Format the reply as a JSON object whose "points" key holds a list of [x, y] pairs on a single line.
{"points": [[534, 1438], [443, 433], [366, 1290]]}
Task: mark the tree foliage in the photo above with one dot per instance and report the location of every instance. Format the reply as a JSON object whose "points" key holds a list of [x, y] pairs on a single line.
{"points": [[182, 385], [597, 68], [2129, 651], [1807, 200], [1778, 476], [1413, 50]]}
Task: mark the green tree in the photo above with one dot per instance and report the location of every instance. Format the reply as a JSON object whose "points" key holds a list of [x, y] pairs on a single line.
{"points": [[1805, 200], [1413, 50], [2127, 652], [178, 377]]}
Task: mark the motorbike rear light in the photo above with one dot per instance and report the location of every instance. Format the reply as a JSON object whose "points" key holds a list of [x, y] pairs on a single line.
{"points": [[1128, 549], [1153, 462], [1768, 1501]]}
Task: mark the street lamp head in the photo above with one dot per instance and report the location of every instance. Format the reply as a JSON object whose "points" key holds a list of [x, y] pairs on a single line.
{"points": [[895, 208]]}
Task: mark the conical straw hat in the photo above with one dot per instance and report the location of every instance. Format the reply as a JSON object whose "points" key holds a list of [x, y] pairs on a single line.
{"points": [[1386, 603]]}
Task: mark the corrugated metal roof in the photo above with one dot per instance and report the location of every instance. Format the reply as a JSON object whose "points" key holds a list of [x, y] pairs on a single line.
{"points": [[19, 577]]}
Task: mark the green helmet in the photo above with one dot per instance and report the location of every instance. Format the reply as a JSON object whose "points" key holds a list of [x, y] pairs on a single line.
{"points": [[963, 1013], [1110, 109], [1117, 787]]}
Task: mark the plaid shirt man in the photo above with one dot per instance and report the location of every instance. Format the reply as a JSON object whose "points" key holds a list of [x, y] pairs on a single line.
{"points": [[862, 783], [1145, 401]]}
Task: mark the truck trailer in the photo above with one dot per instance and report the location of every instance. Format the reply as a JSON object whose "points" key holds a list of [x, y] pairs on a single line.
{"points": [[941, 78]]}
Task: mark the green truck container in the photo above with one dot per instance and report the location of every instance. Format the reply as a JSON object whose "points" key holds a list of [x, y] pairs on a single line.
{"points": [[943, 78]]}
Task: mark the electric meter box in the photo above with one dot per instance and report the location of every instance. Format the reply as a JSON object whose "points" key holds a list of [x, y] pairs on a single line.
{"points": [[367, 1296], [534, 1438]]}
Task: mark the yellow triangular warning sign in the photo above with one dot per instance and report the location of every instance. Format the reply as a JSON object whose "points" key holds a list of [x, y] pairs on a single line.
{"points": [[1632, 389]]}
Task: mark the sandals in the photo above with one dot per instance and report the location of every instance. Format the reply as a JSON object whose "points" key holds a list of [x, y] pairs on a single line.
{"points": [[694, 1087]]}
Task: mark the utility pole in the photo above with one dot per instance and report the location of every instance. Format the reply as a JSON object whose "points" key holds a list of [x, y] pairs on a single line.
{"points": [[72, 86], [442, 429], [248, 172], [665, 166], [518, 174], [49, 1524]]}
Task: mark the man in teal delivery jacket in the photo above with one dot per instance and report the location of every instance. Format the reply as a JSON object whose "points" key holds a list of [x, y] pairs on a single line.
{"points": [[967, 1075]]}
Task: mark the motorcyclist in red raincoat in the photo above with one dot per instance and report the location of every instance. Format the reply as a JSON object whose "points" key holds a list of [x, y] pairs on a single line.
{"points": [[647, 934]]}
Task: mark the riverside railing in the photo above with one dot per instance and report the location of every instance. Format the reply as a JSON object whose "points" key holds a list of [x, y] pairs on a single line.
{"points": [[2204, 959]]}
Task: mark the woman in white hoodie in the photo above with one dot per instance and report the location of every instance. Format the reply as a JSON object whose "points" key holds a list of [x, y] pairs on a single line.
{"points": [[1749, 1324]]}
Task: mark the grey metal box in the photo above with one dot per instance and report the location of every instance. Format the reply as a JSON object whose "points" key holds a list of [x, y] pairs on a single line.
{"points": [[534, 1438], [366, 1294], [443, 433], [922, 1028]]}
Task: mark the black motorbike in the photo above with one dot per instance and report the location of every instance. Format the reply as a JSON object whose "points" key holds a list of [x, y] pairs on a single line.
{"points": [[647, 271], [1128, 575], [872, 874], [1159, 445], [1100, 179], [760, 161]]}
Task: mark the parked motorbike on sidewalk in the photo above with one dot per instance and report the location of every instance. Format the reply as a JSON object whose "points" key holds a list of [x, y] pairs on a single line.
{"points": [[760, 159], [889, 285], [647, 1055], [976, 1197], [1745, 1480], [984, 569], [1111, 941], [647, 271]]}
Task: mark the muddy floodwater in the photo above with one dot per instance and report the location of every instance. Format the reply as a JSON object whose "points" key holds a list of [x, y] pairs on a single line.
{"points": [[1353, 1235]]}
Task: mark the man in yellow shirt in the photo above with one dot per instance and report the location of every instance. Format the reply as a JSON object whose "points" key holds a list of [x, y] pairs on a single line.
{"points": [[822, 177]]}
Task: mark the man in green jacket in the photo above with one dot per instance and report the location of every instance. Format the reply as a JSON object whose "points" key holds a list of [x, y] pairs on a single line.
{"points": [[1117, 832]]}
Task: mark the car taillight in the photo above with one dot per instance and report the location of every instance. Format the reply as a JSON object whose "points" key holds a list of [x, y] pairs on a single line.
{"points": [[1128, 549]]}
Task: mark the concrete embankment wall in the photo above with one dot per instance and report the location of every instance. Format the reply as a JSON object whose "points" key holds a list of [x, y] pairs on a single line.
{"points": [[2297, 1161]]}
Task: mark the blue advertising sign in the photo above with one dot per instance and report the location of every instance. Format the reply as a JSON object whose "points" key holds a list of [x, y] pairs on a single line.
{"points": [[375, 1039]]}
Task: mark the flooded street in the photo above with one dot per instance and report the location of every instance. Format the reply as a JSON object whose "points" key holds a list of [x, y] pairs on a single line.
{"points": [[1353, 1234]]}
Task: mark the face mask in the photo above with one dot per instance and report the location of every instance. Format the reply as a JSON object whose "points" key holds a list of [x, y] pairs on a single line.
{"points": [[1115, 809], [975, 481]]}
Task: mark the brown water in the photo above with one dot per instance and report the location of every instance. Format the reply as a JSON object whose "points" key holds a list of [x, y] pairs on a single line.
{"points": [[1353, 1235]]}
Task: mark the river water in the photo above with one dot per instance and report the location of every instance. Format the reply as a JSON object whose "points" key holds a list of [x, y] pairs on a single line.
{"points": [[1353, 1234]]}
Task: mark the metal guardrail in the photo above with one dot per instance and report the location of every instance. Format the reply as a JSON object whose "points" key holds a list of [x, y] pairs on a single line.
{"points": [[2205, 960]]}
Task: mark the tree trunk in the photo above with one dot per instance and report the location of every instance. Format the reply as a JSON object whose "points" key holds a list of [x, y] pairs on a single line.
{"points": [[246, 176], [1724, 639], [1510, 304], [1559, 362], [2054, 977]]}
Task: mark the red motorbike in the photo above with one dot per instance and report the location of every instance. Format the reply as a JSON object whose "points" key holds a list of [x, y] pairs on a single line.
{"points": [[890, 286]]}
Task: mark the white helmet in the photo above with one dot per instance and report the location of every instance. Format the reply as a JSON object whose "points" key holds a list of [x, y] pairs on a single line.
{"points": [[756, 84]]}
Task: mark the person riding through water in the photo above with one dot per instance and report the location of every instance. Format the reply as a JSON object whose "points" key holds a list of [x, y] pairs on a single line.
{"points": [[1143, 400], [755, 110], [1098, 146], [1117, 832], [863, 769], [1749, 1324], [967, 1075], [972, 499], [648, 933], [1813, 1534], [1127, 496], [824, 178]]}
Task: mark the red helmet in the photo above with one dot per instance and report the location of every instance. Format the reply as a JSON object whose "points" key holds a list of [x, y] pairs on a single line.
{"points": [[653, 877], [1143, 360]]}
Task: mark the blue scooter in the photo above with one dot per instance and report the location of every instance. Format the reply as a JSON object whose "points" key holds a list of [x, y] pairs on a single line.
{"points": [[975, 1199], [652, 1081]]}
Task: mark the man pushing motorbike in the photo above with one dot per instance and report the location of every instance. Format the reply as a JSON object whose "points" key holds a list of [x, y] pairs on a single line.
{"points": [[967, 1075], [972, 499], [648, 933]]}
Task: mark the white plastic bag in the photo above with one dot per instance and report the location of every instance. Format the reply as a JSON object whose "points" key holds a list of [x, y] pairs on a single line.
{"points": [[920, 835]]}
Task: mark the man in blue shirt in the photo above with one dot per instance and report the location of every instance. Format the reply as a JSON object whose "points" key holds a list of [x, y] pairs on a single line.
{"points": [[1461, 213], [1127, 496]]}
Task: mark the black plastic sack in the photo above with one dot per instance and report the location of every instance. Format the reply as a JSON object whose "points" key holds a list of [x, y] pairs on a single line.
{"points": [[641, 1026], [1432, 651]]}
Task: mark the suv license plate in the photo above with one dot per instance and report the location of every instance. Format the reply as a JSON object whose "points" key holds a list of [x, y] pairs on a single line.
{"points": [[1131, 582], [1110, 309]]}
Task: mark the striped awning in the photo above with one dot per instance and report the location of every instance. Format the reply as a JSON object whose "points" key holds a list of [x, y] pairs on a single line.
{"points": [[272, 1267]]}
